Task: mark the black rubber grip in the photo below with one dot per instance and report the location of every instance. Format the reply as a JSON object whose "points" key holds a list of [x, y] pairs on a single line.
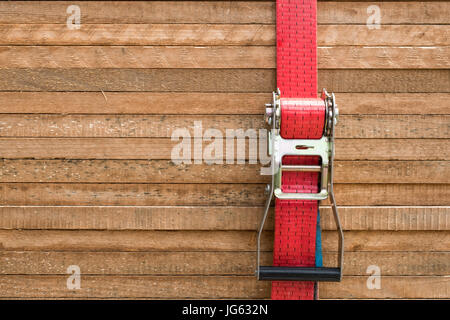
{"points": [[300, 274]]}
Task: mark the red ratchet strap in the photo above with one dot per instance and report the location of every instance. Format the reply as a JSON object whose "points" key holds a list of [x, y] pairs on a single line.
{"points": [[302, 117]]}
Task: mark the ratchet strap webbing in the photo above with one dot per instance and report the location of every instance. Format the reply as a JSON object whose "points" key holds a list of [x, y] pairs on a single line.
{"points": [[302, 117]]}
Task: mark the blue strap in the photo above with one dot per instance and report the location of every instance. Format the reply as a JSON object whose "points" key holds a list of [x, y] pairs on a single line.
{"points": [[319, 258]]}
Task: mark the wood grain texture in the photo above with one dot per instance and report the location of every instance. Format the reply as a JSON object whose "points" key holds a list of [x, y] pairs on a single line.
{"points": [[209, 103], [392, 287], [208, 263], [393, 12], [391, 171], [223, 287], [214, 218], [47, 194], [388, 218], [216, 34], [85, 123], [82, 240], [161, 148], [138, 34], [121, 126], [383, 57], [385, 81], [137, 126], [393, 103], [140, 57], [218, 80], [117, 12], [138, 102], [388, 35], [335, 12], [200, 80], [336, 57], [393, 126], [164, 171]]}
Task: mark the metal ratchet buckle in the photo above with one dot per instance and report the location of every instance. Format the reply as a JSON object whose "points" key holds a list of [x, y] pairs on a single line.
{"points": [[324, 148]]}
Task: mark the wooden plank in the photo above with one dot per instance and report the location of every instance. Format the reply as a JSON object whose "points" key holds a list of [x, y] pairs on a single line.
{"points": [[388, 103], [140, 34], [391, 288], [389, 126], [382, 57], [413, 193], [352, 287], [371, 241], [392, 240], [113, 12], [161, 148], [213, 218], [135, 286], [393, 12], [200, 80], [147, 263], [393, 126], [399, 81], [388, 218], [389, 149], [216, 34], [138, 126], [340, 57], [391, 171], [143, 126], [16, 240], [208, 103], [141, 102], [82, 240], [335, 12], [38, 194], [393, 263], [164, 171], [142, 57], [208, 263], [217, 80], [388, 35]]}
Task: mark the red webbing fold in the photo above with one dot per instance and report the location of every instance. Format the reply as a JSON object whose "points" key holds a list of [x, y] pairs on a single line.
{"points": [[302, 117]]}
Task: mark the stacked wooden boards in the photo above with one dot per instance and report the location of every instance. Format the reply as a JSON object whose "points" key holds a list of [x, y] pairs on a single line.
{"points": [[85, 126]]}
